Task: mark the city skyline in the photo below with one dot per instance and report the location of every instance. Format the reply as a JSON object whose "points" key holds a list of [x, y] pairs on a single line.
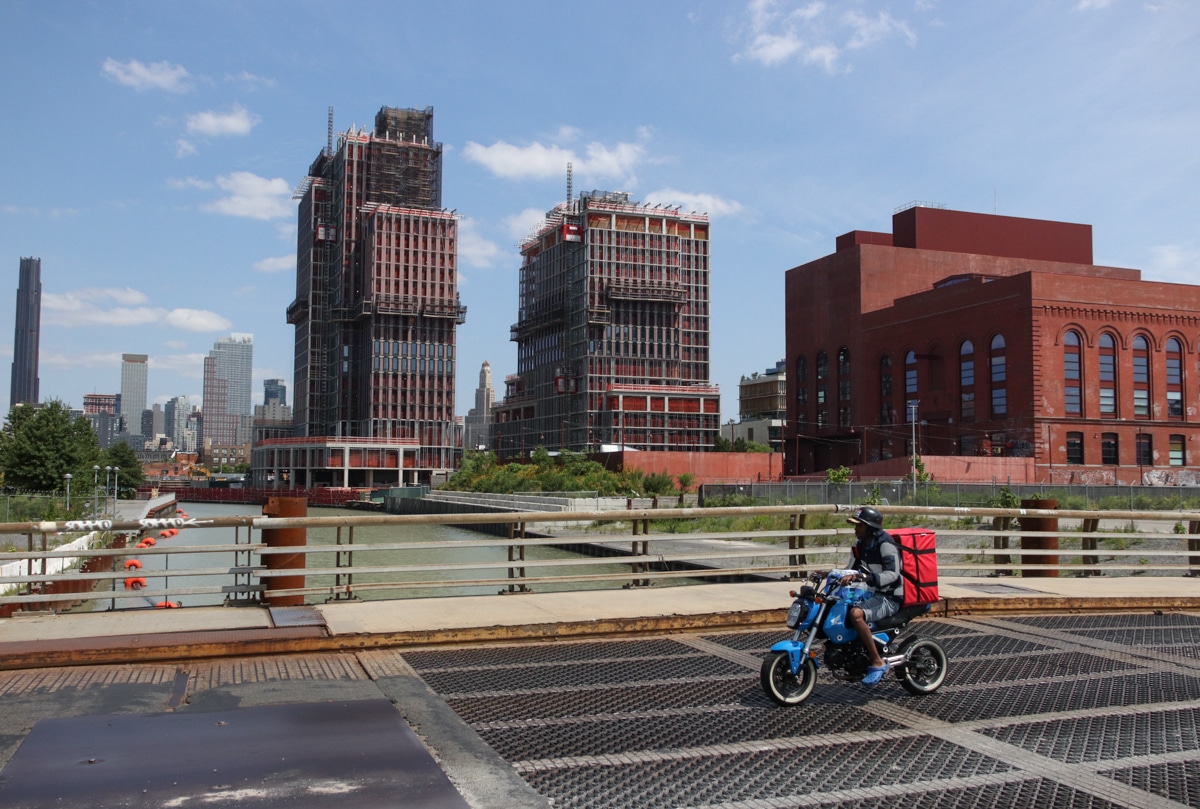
{"points": [[172, 223]]}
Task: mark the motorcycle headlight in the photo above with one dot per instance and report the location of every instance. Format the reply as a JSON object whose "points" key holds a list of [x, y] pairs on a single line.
{"points": [[796, 614]]}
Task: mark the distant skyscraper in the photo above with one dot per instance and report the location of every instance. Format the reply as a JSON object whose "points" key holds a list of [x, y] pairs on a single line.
{"points": [[274, 392], [477, 424], [24, 388], [133, 389], [227, 382], [377, 303], [175, 420], [612, 332]]}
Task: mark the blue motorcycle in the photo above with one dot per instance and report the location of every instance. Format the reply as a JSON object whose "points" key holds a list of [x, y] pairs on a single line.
{"points": [[822, 637]]}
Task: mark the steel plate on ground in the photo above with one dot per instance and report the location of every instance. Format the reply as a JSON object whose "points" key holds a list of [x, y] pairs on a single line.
{"points": [[343, 754]]}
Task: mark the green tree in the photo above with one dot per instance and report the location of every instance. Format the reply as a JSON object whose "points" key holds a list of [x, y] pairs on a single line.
{"points": [[40, 445], [840, 474], [131, 476], [722, 444], [686, 481]]}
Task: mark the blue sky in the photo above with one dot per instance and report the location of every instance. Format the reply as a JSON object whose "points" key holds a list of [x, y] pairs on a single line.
{"points": [[151, 149]]}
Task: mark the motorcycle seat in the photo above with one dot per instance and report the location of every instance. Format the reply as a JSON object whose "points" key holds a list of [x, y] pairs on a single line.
{"points": [[902, 617]]}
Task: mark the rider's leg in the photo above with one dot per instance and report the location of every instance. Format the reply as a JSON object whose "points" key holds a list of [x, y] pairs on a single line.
{"points": [[857, 621]]}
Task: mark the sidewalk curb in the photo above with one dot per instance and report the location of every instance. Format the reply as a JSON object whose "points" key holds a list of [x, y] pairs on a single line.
{"points": [[224, 642]]}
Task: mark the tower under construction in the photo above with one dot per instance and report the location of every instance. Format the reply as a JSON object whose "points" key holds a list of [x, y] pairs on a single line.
{"points": [[612, 333], [375, 312]]}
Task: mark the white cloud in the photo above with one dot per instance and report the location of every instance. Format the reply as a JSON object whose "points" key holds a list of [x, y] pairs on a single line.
{"points": [[276, 264], [184, 148], [157, 76], [868, 31], [189, 182], [710, 204], [520, 225], [196, 320], [254, 197], [812, 33], [474, 248], [252, 81], [122, 307], [1173, 263], [541, 162], [238, 121], [1087, 5]]}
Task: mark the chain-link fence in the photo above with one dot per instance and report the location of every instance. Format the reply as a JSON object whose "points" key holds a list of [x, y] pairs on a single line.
{"points": [[938, 493]]}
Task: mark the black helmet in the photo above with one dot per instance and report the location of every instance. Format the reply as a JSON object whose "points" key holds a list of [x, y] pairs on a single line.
{"points": [[867, 516]]}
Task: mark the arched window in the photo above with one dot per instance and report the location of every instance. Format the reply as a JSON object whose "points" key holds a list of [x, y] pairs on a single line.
{"points": [[1072, 375], [910, 385], [1108, 376], [1174, 379], [966, 381], [1141, 378], [999, 368], [802, 384], [822, 389], [887, 411], [843, 387]]}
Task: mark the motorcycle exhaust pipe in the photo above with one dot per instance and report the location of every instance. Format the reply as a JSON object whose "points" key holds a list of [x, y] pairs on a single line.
{"points": [[894, 661]]}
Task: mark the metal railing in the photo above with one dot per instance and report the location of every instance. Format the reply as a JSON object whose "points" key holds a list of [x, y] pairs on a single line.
{"points": [[646, 546]]}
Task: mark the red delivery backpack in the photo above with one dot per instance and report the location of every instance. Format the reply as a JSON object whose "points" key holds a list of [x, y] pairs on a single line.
{"points": [[918, 564]]}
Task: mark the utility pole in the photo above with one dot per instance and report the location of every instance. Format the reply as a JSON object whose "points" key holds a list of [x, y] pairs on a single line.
{"points": [[912, 406]]}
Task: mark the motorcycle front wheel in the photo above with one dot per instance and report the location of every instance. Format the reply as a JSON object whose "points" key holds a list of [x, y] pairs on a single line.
{"points": [[925, 669], [783, 687]]}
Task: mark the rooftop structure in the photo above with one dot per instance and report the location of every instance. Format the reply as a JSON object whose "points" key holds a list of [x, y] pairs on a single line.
{"points": [[26, 334]]}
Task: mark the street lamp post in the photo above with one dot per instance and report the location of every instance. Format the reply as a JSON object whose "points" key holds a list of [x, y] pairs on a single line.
{"points": [[116, 487], [67, 478], [107, 478], [95, 489]]}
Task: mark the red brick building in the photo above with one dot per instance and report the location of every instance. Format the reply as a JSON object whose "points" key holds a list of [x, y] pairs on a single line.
{"points": [[975, 335]]}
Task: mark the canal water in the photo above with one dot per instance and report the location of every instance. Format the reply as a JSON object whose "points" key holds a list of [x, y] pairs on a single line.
{"points": [[156, 569]]}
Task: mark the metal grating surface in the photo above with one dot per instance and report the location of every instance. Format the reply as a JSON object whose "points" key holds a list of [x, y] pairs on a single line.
{"points": [[492, 656], [575, 675], [735, 690], [1186, 650], [980, 645], [1040, 793], [1170, 636], [1178, 780], [704, 780], [753, 642], [1100, 738], [1080, 622], [701, 728], [1100, 692], [1032, 667]]}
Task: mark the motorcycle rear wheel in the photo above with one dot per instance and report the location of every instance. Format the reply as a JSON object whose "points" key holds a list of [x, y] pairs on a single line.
{"points": [[925, 670], [783, 687]]}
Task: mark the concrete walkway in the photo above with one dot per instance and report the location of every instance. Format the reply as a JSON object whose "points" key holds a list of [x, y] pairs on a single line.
{"points": [[141, 635]]}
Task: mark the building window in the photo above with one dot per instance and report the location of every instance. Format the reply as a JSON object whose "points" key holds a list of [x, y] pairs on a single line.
{"points": [[1072, 375], [1109, 454], [1141, 378], [1176, 443], [1075, 448], [843, 387], [1145, 449], [887, 413], [802, 383], [999, 368], [1174, 379], [1108, 376], [966, 381], [910, 385], [822, 389]]}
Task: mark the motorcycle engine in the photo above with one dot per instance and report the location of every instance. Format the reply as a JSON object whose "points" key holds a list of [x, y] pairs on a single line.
{"points": [[847, 662]]}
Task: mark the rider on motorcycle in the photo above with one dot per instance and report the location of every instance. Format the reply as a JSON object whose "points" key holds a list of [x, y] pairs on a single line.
{"points": [[876, 562]]}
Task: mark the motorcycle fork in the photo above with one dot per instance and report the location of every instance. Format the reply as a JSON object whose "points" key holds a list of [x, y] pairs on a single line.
{"points": [[798, 660]]}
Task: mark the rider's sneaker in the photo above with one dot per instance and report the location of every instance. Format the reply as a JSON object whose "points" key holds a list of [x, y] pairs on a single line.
{"points": [[874, 675]]}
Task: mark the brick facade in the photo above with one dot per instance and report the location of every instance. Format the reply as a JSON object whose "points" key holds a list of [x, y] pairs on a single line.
{"points": [[1006, 349]]}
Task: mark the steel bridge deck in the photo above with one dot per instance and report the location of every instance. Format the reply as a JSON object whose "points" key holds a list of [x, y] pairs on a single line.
{"points": [[1050, 711]]}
